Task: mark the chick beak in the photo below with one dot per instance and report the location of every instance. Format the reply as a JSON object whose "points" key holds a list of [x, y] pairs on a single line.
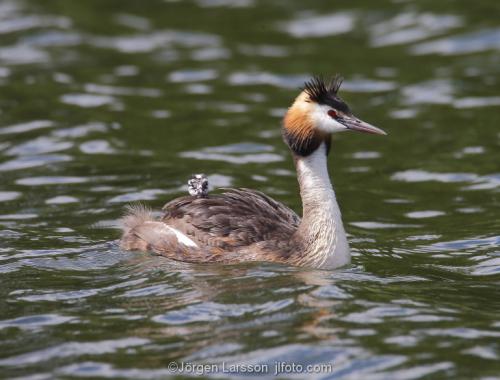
{"points": [[352, 122]]}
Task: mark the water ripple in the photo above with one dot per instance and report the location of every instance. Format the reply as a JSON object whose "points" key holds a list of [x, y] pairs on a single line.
{"points": [[321, 26], [25, 162], [258, 78], [26, 127], [30, 22], [143, 195], [54, 181], [242, 153], [73, 349], [6, 196], [209, 312], [412, 27], [141, 43], [22, 55], [478, 182], [39, 145], [467, 43], [126, 91], [192, 75], [35, 321], [88, 100]]}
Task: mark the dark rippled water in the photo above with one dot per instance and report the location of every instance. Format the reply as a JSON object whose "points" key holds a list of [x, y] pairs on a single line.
{"points": [[103, 103]]}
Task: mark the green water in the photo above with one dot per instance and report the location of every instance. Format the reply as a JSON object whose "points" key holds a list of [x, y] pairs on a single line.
{"points": [[103, 103]]}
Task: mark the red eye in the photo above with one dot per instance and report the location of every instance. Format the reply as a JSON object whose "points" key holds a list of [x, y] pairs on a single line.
{"points": [[332, 114]]}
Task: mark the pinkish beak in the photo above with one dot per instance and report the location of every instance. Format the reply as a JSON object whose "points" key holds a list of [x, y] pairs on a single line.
{"points": [[351, 122]]}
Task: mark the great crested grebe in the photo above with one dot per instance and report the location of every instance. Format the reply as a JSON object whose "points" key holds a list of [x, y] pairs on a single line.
{"points": [[242, 225]]}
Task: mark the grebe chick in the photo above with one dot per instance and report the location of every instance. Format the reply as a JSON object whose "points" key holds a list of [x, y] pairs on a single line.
{"points": [[242, 225], [198, 185]]}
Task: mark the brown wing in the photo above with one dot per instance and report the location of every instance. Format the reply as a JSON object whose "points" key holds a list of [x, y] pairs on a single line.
{"points": [[231, 220]]}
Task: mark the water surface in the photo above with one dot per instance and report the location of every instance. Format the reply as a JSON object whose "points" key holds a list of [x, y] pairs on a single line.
{"points": [[107, 103]]}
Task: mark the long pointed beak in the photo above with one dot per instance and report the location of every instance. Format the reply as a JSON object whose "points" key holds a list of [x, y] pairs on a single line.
{"points": [[352, 122]]}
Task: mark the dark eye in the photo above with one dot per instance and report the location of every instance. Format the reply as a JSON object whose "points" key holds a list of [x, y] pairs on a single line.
{"points": [[332, 114]]}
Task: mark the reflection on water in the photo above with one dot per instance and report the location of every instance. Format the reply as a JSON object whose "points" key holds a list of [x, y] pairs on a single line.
{"points": [[321, 26], [461, 44], [409, 27], [106, 104], [242, 153]]}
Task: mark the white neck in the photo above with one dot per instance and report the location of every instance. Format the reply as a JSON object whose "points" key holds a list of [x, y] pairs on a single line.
{"points": [[321, 228]]}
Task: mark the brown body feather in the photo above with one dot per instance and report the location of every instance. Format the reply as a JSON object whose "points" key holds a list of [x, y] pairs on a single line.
{"points": [[237, 225]]}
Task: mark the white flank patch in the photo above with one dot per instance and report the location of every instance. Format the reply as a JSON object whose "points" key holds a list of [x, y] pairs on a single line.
{"points": [[157, 229], [181, 238]]}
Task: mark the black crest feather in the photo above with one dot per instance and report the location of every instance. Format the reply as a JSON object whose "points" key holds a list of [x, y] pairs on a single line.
{"points": [[323, 92]]}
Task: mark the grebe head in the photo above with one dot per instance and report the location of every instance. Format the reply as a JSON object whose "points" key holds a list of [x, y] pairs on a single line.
{"points": [[318, 112]]}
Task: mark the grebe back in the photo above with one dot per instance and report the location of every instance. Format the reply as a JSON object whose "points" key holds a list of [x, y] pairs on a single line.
{"points": [[242, 225]]}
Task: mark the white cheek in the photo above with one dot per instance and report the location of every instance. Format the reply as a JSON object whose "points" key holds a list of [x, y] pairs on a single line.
{"points": [[323, 121]]}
